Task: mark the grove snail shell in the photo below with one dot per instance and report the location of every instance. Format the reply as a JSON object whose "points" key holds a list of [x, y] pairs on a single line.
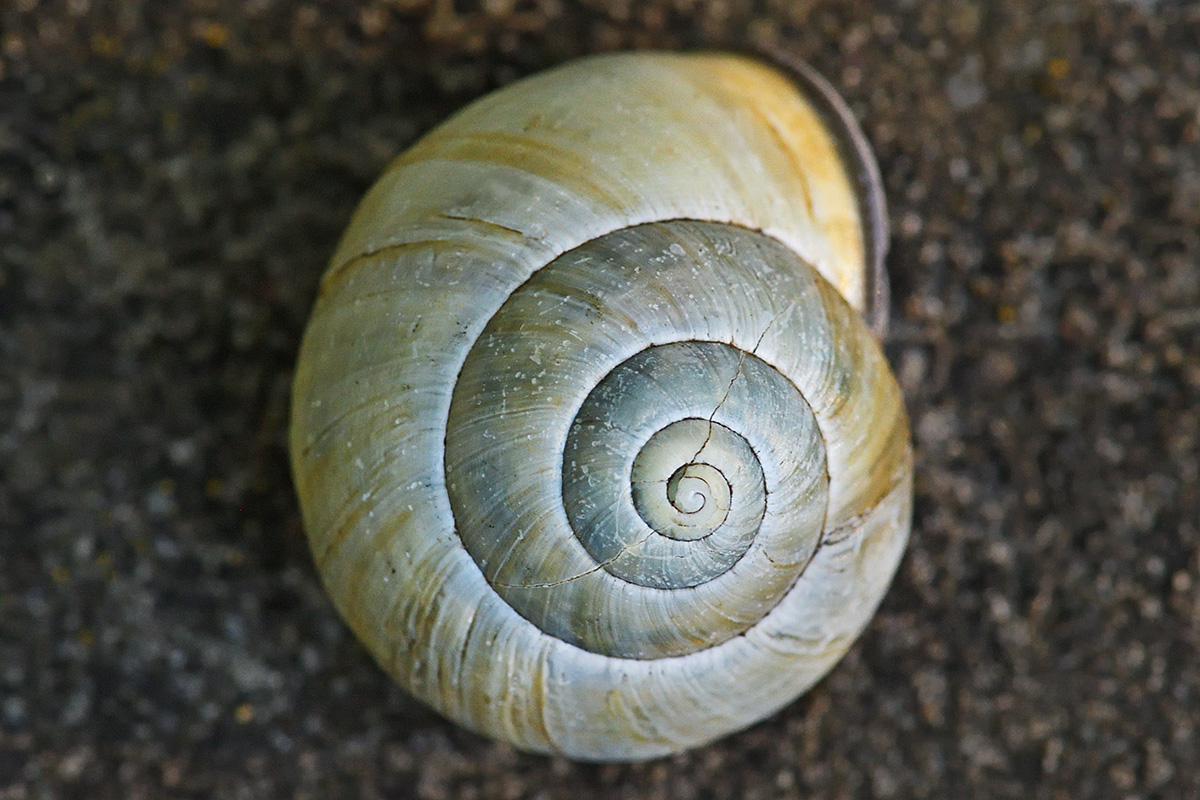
{"points": [[594, 450]]}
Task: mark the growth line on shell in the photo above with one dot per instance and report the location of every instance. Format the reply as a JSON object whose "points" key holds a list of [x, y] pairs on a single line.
{"points": [[737, 372], [724, 397], [774, 319], [583, 574]]}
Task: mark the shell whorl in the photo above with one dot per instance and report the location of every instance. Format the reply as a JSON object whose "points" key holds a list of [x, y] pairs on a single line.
{"points": [[594, 451]]}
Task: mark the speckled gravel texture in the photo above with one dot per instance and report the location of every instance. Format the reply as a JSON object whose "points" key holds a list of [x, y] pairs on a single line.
{"points": [[173, 177]]}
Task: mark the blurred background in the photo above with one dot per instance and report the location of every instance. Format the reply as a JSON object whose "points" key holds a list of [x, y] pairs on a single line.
{"points": [[174, 176]]}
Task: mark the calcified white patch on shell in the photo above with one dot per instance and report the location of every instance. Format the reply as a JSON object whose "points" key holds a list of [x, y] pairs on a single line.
{"points": [[591, 454]]}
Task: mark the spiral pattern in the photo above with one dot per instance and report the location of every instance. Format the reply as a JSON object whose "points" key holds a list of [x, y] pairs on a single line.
{"points": [[568, 438], [592, 451]]}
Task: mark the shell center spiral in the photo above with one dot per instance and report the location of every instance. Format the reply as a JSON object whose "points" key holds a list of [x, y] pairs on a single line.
{"points": [[693, 501], [684, 505], [688, 492], [614, 437]]}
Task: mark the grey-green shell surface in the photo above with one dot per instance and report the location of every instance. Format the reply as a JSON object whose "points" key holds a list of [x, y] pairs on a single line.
{"points": [[594, 450]]}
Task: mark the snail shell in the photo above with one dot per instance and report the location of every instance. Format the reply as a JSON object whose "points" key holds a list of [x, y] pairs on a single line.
{"points": [[594, 449]]}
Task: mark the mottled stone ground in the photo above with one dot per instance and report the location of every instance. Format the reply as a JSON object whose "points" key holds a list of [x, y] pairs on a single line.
{"points": [[173, 176]]}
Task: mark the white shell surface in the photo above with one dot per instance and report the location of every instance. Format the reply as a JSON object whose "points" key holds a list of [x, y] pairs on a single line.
{"points": [[651, 236]]}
